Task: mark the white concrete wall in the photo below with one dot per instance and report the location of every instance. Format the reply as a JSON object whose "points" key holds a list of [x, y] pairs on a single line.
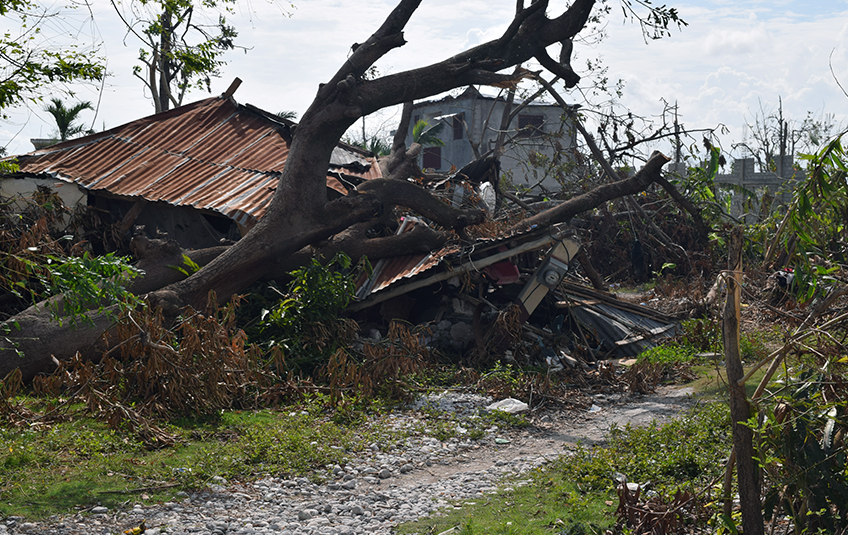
{"points": [[23, 189], [483, 116]]}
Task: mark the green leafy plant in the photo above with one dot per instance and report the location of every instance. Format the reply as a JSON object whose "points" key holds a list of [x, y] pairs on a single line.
{"points": [[9, 166], [33, 66], [802, 452], [78, 284], [686, 451], [814, 233], [188, 268], [304, 323], [668, 354], [88, 282]]}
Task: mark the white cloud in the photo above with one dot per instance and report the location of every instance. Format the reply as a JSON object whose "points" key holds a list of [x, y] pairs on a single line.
{"points": [[737, 41], [732, 55]]}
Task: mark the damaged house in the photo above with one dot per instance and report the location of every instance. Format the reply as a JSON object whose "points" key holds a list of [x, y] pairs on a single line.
{"points": [[537, 133], [199, 173], [206, 172], [463, 291]]}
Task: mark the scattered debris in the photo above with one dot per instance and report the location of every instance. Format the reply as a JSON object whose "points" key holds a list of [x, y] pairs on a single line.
{"points": [[510, 405]]}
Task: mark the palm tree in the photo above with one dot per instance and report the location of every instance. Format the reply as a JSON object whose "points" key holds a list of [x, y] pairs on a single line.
{"points": [[428, 136], [66, 117], [287, 114]]}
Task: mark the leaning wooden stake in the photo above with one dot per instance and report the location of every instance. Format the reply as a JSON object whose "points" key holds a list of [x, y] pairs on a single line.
{"points": [[740, 409]]}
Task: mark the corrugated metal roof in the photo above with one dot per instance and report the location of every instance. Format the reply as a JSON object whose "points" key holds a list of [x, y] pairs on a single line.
{"points": [[622, 332], [213, 155], [391, 270]]}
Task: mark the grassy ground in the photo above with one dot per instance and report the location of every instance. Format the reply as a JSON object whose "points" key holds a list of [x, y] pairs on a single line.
{"points": [[544, 502], [79, 462]]}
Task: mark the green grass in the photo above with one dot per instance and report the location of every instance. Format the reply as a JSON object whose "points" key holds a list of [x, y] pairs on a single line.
{"points": [[547, 503], [686, 451], [80, 463], [711, 383], [699, 346]]}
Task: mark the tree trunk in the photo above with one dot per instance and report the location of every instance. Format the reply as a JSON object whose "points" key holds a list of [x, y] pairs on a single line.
{"points": [[740, 409], [299, 213]]}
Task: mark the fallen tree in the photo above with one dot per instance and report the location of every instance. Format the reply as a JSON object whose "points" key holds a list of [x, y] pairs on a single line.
{"points": [[300, 214]]}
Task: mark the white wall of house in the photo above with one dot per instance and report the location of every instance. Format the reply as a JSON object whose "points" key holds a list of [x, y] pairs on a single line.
{"points": [[478, 118], [22, 190]]}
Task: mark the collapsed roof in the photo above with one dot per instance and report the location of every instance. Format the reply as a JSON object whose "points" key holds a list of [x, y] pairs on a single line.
{"points": [[620, 329], [213, 155]]}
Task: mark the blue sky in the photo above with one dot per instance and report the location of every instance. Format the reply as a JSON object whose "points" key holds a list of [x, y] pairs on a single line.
{"points": [[734, 58]]}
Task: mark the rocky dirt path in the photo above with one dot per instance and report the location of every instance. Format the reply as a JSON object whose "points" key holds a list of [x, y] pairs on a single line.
{"points": [[382, 487], [553, 432]]}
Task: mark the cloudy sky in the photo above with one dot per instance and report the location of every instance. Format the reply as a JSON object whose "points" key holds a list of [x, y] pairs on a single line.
{"points": [[733, 59]]}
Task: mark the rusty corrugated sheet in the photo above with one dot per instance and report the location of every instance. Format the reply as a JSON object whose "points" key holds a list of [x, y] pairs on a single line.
{"points": [[212, 155], [410, 266], [390, 270]]}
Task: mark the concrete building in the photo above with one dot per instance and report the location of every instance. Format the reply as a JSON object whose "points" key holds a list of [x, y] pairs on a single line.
{"points": [[539, 143], [772, 191]]}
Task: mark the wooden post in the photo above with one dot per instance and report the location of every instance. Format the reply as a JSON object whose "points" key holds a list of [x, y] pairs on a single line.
{"points": [[740, 410], [130, 217]]}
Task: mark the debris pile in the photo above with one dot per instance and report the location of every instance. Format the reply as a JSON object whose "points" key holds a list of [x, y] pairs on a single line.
{"points": [[516, 297]]}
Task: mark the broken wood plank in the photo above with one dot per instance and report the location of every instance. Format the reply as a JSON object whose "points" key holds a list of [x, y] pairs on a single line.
{"points": [[646, 336]]}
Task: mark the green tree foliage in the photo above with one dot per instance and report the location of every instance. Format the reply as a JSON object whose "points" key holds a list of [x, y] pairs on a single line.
{"points": [[39, 260], [66, 125], [304, 322], [801, 431], [30, 62], [803, 452], [88, 282], [817, 229], [182, 44]]}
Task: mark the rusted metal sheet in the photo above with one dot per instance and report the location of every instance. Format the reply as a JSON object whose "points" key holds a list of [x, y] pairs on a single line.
{"points": [[212, 155], [407, 266], [390, 270], [451, 260]]}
